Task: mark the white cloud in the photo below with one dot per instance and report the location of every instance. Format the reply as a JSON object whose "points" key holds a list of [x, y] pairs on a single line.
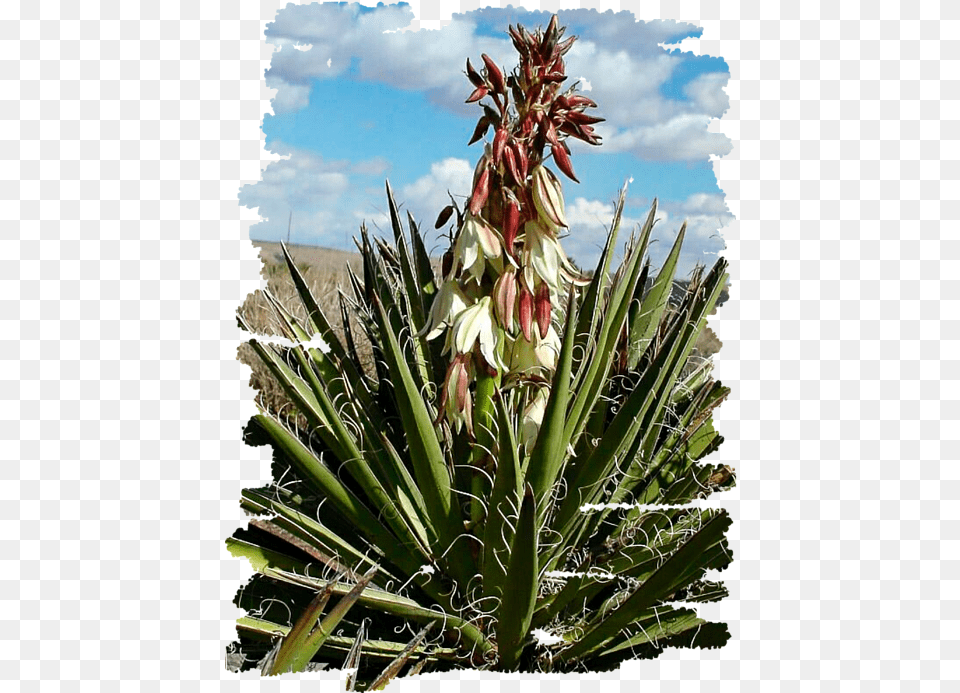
{"points": [[681, 138], [426, 196], [592, 214], [704, 213], [620, 62], [706, 203], [317, 190], [376, 166], [707, 92], [289, 97]]}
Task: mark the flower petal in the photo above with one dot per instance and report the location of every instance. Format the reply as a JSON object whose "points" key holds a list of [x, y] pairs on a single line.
{"points": [[548, 196]]}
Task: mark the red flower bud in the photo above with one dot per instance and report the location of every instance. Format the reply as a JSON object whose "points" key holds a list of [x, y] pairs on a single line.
{"points": [[494, 74], [522, 161], [499, 142], [505, 297], [482, 126], [446, 264], [473, 75], [444, 216], [511, 162], [526, 311], [528, 37], [517, 40], [480, 192], [581, 132], [543, 309], [551, 134], [563, 161], [526, 127], [462, 382], [576, 100], [511, 222], [477, 94], [582, 118], [550, 37]]}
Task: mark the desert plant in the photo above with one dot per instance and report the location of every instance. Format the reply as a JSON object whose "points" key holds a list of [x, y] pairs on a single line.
{"points": [[518, 494]]}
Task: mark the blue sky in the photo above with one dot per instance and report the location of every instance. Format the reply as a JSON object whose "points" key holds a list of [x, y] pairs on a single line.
{"points": [[358, 102]]}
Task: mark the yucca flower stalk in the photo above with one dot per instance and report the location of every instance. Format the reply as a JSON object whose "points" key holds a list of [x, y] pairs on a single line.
{"points": [[512, 487], [507, 244]]}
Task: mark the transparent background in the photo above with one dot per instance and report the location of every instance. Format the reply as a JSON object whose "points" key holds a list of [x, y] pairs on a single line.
{"points": [[127, 131]]}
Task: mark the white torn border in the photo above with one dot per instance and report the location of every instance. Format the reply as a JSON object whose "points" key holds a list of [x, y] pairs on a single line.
{"points": [[643, 507], [316, 343], [595, 573], [545, 638]]}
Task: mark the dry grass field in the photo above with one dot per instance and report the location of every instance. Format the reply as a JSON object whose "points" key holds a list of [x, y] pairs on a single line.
{"points": [[325, 270]]}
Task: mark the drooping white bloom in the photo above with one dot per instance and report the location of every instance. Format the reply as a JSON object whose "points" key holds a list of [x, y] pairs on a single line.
{"points": [[537, 354], [478, 323], [449, 302], [476, 243], [542, 253], [548, 196]]}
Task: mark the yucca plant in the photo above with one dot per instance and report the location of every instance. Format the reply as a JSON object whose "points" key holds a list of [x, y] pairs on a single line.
{"points": [[520, 494]]}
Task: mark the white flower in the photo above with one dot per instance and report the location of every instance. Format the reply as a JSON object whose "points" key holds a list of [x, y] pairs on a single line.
{"points": [[533, 417], [476, 243], [449, 302], [534, 356], [478, 322], [548, 196], [543, 254]]}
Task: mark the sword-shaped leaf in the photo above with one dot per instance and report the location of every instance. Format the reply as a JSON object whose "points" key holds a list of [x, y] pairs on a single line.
{"points": [[520, 586], [504, 502], [550, 450], [590, 382], [646, 314], [430, 468], [592, 301]]}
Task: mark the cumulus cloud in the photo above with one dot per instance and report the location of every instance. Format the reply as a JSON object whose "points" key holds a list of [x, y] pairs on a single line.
{"points": [[426, 196], [707, 92], [315, 188], [704, 213], [620, 59], [681, 138], [289, 97]]}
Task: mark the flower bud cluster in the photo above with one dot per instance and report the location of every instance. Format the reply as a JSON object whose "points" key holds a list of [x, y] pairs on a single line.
{"points": [[506, 270]]}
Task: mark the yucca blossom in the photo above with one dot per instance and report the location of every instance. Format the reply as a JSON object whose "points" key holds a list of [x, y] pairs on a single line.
{"points": [[449, 302], [534, 357], [478, 324], [477, 243], [456, 402], [548, 196]]}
